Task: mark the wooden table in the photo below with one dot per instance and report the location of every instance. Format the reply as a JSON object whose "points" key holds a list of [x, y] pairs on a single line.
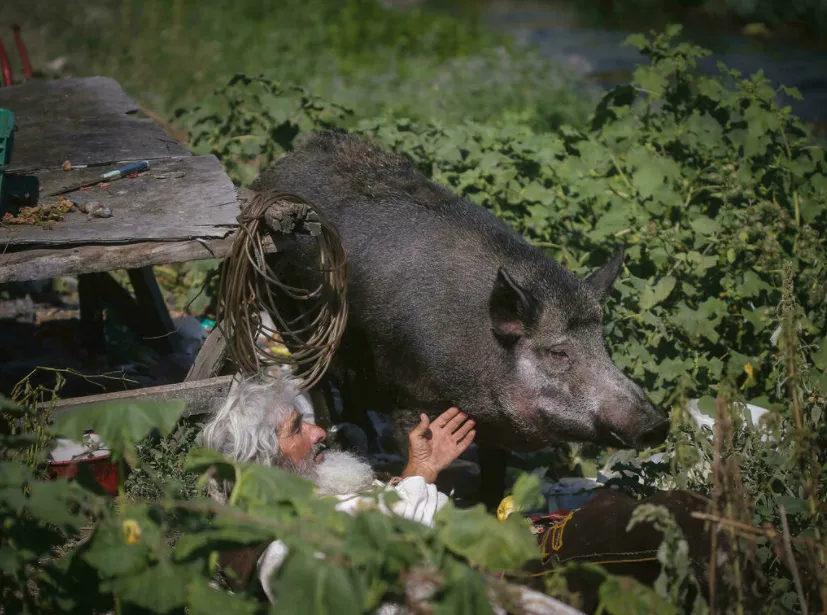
{"points": [[183, 208]]}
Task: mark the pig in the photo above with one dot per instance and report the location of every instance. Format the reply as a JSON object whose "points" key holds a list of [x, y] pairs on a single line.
{"points": [[451, 306]]}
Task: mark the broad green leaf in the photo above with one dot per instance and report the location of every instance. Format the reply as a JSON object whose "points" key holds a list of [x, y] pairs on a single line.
{"points": [[159, 589], [258, 483], [120, 424], [820, 354], [653, 295], [368, 537], [753, 284], [706, 405], [464, 593], [54, 502], [652, 80], [794, 506], [527, 495], [204, 600], [705, 225], [306, 584], [627, 596], [115, 551], [12, 560], [7, 406], [483, 540], [233, 534]]}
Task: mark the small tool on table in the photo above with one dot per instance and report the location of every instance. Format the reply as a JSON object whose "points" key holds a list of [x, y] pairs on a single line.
{"points": [[132, 167]]}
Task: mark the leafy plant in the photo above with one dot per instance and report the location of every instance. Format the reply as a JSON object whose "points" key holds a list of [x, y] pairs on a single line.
{"points": [[719, 195]]}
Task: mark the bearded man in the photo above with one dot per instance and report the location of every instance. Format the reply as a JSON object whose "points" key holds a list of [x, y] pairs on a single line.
{"points": [[261, 422]]}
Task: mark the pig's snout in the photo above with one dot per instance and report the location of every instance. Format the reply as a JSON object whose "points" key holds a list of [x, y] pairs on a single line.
{"points": [[630, 419]]}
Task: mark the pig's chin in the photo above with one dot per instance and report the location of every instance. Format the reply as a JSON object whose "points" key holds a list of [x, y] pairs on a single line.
{"points": [[531, 431]]}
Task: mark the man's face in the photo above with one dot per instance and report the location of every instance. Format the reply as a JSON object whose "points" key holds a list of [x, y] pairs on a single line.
{"points": [[299, 440]]}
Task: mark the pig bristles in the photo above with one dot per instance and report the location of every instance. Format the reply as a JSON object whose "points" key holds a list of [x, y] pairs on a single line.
{"points": [[248, 285]]}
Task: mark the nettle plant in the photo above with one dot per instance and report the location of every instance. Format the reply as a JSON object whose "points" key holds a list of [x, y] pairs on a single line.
{"points": [[719, 194]]}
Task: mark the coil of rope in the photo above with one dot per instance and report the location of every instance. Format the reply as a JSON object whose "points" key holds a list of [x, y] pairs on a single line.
{"points": [[249, 284]]}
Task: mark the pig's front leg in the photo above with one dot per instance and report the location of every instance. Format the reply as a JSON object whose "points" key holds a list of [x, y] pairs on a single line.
{"points": [[493, 462]]}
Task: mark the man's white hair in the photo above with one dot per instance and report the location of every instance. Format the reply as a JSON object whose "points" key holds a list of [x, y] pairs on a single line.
{"points": [[245, 427]]}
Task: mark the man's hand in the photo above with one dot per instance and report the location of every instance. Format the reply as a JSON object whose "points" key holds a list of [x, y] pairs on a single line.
{"points": [[433, 446]]}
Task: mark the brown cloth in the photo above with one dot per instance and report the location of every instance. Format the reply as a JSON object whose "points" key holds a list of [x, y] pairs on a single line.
{"points": [[240, 571], [596, 533]]}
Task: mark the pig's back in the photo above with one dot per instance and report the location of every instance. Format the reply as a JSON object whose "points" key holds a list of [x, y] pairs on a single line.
{"points": [[423, 261], [383, 207]]}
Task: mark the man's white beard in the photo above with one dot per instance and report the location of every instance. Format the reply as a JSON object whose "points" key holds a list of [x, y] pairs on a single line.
{"points": [[342, 473]]}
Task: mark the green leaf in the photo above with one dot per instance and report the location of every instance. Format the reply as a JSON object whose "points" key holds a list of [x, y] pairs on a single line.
{"points": [[652, 295], [706, 405], [229, 535], [705, 225], [120, 424], [794, 506], [368, 537], [108, 551], [535, 192], [483, 540], [265, 484], [204, 600], [464, 593], [753, 285], [526, 492], [820, 354], [159, 589], [10, 407], [627, 596], [306, 584], [651, 80], [54, 501]]}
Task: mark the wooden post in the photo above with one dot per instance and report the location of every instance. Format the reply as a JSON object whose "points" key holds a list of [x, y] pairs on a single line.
{"points": [[91, 314], [152, 305]]}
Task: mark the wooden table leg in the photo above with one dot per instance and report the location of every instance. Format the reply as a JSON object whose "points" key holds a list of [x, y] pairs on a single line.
{"points": [[91, 314], [152, 304]]}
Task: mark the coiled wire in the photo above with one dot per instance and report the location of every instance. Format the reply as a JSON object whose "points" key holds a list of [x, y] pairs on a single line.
{"points": [[248, 285]]}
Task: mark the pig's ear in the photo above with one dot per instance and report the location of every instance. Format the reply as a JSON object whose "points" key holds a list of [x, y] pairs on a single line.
{"points": [[601, 280], [512, 309]]}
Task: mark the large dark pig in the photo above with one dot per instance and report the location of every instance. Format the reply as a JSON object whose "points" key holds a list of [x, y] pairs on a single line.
{"points": [[451, 306]]}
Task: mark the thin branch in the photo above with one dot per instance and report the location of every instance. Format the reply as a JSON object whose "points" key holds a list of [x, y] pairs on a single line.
{"points": [[753, 531], [788, 551]]}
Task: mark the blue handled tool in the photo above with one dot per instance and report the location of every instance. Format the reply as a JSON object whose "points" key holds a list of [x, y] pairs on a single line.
{"points": [[132, 167]]}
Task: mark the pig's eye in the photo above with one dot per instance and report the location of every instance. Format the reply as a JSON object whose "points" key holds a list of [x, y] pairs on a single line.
{"points": [[557, 354]]}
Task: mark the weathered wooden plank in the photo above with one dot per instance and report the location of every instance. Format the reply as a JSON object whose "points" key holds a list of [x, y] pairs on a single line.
{"points": [[202, 396], [211, 357], [88, 121], [44, 264], [177, 199]]}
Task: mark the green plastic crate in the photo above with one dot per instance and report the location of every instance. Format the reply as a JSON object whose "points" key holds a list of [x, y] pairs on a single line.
{"points": [[6, 141]]}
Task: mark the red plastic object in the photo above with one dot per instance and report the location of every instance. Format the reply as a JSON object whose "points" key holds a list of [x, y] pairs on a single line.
{"points": [[4, 62], [21, 49], [104, 471]]}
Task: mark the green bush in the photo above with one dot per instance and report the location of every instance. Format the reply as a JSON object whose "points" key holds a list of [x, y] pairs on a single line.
{"points": [[719, 195]]}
